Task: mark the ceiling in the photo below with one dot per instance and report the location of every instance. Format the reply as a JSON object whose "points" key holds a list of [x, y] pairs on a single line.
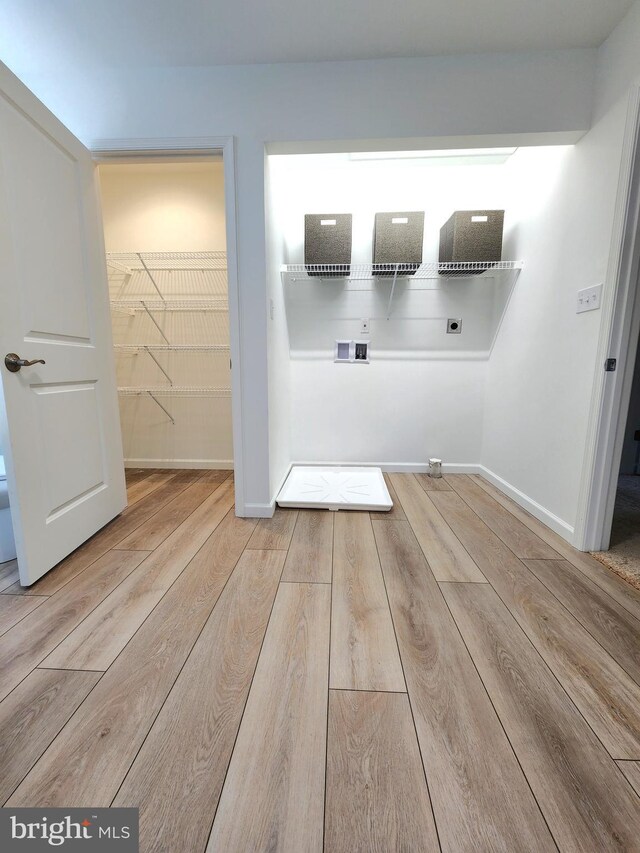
{"points": [[36, 35]]}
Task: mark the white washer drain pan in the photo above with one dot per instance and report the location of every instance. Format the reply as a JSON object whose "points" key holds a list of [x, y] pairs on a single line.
{"points": [[317, 487]]}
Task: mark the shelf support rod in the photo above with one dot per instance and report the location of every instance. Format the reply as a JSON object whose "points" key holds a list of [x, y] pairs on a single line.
{"points": [[148, 272], [152, 356], [393, 289], [158, 403], [153, 320]]}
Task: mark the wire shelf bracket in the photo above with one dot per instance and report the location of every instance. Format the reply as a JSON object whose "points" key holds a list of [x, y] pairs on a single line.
{"points": [[160, 367], [158, 403], [155, 323], [148, 272]]}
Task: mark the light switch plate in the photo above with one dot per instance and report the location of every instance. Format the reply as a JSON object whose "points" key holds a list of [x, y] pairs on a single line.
{"points": [[364, 327], [589, 299]]}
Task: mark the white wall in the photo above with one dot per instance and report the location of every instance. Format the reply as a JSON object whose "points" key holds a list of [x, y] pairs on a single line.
{"points": [[280, 413], [170, 207], [373, 100], [542, 373], [150, 207]]}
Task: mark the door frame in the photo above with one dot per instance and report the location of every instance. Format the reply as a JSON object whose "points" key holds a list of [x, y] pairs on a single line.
{"points": [[111, 150], [619, 331]]}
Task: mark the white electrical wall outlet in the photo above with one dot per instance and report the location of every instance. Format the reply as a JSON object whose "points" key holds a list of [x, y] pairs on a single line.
{"points": [[364, 327], [589, 298]]}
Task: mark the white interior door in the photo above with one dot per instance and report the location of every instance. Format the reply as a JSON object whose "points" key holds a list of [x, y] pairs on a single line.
{"points": [[60, 430]]}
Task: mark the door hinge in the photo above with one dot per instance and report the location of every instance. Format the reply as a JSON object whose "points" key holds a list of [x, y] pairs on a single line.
{"points": [[610, 365]]}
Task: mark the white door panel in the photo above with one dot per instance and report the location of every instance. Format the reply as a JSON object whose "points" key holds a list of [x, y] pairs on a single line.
{"points": [[62, 445]]}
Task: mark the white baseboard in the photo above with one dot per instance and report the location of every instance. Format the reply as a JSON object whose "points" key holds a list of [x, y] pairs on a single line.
{"points": [[537, 510], [212, 464], [400, 467], [265, 510], [259, 510], [420, 468]]}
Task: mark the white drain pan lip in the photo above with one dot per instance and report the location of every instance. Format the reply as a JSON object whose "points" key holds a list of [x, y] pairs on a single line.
{"points": [[335, 487]]}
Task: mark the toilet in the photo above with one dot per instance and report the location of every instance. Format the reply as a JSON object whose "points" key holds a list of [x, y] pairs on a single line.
{"points": [[7, 544]]}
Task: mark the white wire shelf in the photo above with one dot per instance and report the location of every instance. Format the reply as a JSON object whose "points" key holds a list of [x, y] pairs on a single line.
{"points": [[169, 305], [127, 262], [428, 270], [172, 347], [174, 391]]}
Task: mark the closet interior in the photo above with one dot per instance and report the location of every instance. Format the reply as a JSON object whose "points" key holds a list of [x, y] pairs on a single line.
{"points": [[167, 271]]}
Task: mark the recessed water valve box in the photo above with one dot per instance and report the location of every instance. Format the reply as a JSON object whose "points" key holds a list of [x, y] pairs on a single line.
{"points": [[351, 352], [342, 351], [361, 351], [468, 239], [327, 244], [397, 241]]}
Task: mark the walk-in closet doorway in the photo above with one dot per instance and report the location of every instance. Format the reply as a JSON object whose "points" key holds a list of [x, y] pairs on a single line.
{"points": [[169, 227]]}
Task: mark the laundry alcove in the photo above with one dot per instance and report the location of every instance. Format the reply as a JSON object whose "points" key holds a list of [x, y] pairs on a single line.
{"points": [[422, 392]]}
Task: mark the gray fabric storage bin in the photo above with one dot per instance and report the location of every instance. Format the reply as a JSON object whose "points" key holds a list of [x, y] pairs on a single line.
{"points": [[397, 239], [327, 240], [471, 235]]}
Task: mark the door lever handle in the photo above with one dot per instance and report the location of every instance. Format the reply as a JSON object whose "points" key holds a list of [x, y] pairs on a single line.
{"points": [[13, 362]]}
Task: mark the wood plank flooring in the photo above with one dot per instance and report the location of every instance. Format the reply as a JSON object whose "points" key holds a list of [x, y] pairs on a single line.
{"points": [[14, 607], [446, 555], [309, 559], [8, 574], [604, 693], [577, 784], [631, 770], [364, 652], [377, 797], [462, 742], [450, 676]]}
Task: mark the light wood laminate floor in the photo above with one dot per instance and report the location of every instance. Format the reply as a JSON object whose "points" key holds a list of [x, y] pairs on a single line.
{"points": [[448, 676]]}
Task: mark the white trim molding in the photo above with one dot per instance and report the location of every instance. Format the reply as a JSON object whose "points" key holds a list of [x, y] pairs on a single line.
{"points": [[104, 150], [260, 510], [620, 321], [395, 467], [537, 510], [180, 464]]}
